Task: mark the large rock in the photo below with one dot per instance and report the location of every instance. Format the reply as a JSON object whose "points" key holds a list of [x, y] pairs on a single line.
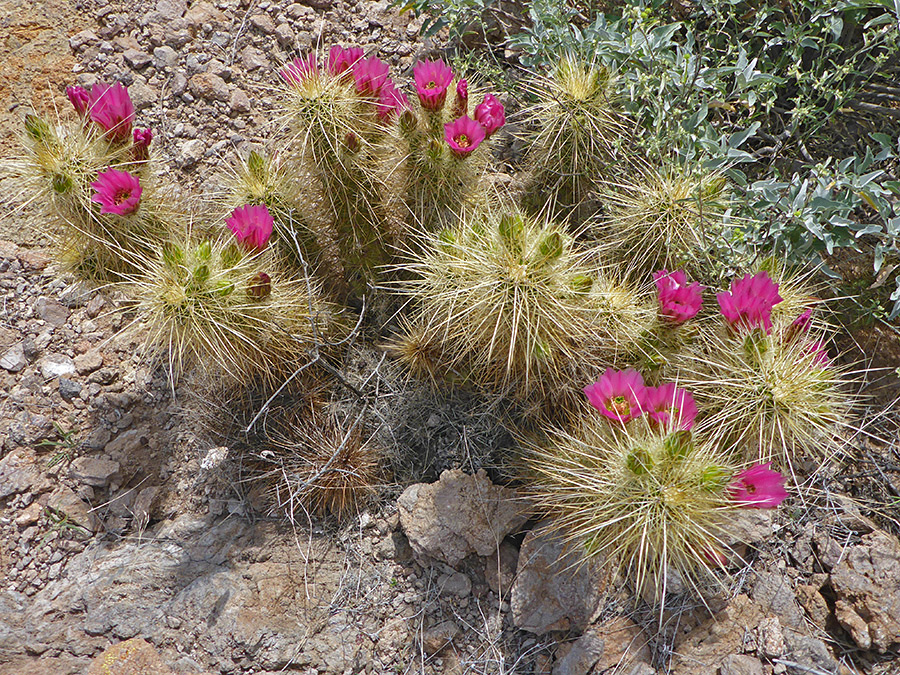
{"points": [[709, 649], [459, 515], [867, 584], [94, 471], [617, 642], [19, 473], [554, 589]]}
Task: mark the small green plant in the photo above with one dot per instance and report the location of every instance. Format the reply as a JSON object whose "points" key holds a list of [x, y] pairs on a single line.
{"points": [[64, 447]]}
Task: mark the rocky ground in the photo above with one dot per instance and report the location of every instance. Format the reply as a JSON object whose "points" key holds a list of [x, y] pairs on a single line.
{"points": [[130, 544]]}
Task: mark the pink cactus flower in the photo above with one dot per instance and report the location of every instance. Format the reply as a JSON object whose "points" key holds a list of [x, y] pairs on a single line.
{"points": [[341, 60], [750, 301], [111, 108], [490, 114], [252, 226], [80, 99], [758, 488], [391, 101], [461, 104], [140, 149], [432, 79], [370, 75], [117, 192], [618, 395], [678, 300], [668, 406], [299, 70], [463, 136]]}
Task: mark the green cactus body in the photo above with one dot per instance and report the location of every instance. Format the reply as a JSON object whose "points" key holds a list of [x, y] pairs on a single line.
{"points": [[771, 397], [577, 131], [514, 305], [208, 306], [58, 166], [647, 502]]}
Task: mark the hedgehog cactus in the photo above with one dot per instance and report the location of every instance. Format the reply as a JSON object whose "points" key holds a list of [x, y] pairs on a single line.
{"points": [[446, 140], [664, 219], [93, 178], [772, 390], [652, 500], [339, 116], [228, 306], [507, 301], [577, 130]]}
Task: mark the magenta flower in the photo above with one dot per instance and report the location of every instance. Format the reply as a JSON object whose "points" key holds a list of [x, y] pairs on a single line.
{"points": [[111, 108], [463, 136], [140, 149], [758, 488], [80, 99], [490, 114], [370, 75], [678, 300], [461, 104], [666, 405], [252, 226], [341, 60], [117, 192], [750, 301], [299, 70], [618, 395], [391, 101], [432, 79]]}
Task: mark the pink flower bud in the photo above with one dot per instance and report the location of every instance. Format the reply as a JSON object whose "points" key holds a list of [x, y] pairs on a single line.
{"points": [[758, 488], [490, 114]]}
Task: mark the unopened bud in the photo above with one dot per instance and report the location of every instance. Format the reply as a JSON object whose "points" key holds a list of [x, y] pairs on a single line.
{"points": [[351, 141], [407, 121], [172, 254], [37, 128], [551, 246], [260, 286], [62, 184], [256, 166], [679, 444], [639, 462], [582, 283], [511, 228], [204, 252]]}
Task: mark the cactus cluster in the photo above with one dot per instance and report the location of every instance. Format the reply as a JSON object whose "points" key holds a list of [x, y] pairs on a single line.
{"points": [[525, 300], [578, 131]]}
